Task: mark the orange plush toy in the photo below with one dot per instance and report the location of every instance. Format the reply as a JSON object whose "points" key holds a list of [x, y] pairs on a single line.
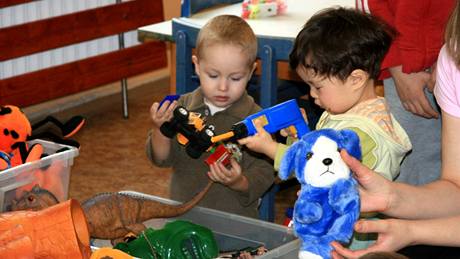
{"points": [[15, 129]]}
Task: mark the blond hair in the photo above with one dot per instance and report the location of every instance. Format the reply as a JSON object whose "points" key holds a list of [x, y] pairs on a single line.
{"points": [[228, 29], [452, 34]]}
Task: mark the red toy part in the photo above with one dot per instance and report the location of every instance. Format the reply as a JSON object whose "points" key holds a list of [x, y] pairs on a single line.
{"points": [[220, 154]]}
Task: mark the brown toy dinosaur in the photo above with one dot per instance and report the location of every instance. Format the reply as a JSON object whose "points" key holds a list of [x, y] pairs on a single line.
{"points": [[114, 215], [35, 199]]}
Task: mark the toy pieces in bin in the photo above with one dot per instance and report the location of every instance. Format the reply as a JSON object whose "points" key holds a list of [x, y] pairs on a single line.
{"points": [[114, 215], [253, 9], [35, 199], [192, 131], [178, 239], [244, 252], [171, 98]]}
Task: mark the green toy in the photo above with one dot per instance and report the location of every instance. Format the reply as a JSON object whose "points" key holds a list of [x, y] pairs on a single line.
{"points": [[176, 240]]}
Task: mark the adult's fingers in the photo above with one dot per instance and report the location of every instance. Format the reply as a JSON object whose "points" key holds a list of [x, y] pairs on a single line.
{"points": [[427, 109], [372, 226], [359, 169]]}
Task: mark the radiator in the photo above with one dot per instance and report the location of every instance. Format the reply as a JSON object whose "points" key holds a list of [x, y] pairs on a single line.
{"points": [[38, 10]]}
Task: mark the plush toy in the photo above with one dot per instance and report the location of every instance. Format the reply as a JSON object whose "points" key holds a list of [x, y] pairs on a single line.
{"points": [[15, 129], [328, 204]]}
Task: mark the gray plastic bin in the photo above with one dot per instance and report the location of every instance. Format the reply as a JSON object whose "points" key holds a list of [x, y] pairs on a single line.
{"points": [[231, 231]]}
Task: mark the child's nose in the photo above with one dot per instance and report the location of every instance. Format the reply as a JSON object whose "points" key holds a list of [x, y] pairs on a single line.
{"points": [[313, 93], [223, 85]]}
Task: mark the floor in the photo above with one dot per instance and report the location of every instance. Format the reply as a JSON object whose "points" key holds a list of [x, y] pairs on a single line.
{"points": [[112, 154]]}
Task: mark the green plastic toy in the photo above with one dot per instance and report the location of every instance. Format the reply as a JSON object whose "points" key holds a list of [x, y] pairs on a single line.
{"points": [[176, 240]]}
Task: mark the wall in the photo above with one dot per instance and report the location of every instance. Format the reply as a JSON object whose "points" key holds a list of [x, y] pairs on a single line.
{"points": [[37, 10]]}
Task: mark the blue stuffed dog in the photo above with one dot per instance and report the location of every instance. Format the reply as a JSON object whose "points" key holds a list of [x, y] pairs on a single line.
{"points": [[328, 204]]}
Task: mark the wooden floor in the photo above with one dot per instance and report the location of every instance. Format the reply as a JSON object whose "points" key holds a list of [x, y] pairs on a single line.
{"points": [[112, 156]]}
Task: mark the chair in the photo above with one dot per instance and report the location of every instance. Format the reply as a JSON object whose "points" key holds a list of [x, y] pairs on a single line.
{"points": [[270, 50]]}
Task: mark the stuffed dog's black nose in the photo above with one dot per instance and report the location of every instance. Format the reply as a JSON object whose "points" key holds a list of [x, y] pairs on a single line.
{"points": [[327, 161]]}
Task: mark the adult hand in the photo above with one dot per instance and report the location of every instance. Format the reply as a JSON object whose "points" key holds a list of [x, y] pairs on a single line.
{"points": [[393, 234], [375, 191], [160, 115], [432, 81], [261, 142], [410, 88]]}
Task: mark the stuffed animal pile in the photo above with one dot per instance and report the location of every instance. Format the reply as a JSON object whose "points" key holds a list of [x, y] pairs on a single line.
{"points": [[328, 204]]}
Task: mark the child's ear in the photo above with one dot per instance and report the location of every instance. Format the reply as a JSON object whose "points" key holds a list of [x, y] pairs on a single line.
{"points": [[197, 65], [254, 67], [358, 78]]}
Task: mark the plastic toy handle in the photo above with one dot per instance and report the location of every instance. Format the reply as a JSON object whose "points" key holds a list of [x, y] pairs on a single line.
{"points": [[222, 137]]}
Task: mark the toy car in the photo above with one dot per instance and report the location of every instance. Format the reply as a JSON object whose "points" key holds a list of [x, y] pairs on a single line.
{"points": [[192, 132]]}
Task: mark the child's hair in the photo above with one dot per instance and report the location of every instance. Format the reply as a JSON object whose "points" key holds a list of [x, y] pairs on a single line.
{"points": [[452, 35], [336, 41], [228, 29]]}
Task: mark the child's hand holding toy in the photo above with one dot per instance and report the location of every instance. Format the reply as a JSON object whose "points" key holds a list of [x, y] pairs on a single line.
{"points": [[261, 142], [231, 176], [160, 113]]}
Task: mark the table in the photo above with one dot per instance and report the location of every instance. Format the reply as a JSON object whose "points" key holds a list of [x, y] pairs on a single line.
{"points": [[275, 39]]}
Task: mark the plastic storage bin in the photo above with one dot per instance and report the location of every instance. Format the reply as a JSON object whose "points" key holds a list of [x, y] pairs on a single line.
{"points": [[51, 173], [232, 232]]}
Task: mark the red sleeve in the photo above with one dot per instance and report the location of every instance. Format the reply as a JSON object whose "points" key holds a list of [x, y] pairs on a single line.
{"points": [[420, 26]]}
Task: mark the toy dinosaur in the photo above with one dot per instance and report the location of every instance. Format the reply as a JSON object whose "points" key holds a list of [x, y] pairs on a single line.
{"points": [[35, 199], [114, 215]]}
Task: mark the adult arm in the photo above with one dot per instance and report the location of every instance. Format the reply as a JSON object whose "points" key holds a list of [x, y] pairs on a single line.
{"points": [[413, 49], [395, 234], [437, 199]]}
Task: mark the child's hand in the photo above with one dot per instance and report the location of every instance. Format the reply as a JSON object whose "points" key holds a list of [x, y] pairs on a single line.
{"points": [[261, 142], [162, 114], [232, 177]]}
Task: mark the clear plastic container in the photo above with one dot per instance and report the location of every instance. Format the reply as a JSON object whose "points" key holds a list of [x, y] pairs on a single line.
{"points": [[51, 173]]}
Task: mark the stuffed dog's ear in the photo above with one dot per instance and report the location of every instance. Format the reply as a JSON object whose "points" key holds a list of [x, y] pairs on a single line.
{"points": [[351, 143], [289, 160]]}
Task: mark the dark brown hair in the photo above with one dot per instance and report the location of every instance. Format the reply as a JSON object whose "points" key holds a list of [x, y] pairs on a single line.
{"points": [[336, 41]]}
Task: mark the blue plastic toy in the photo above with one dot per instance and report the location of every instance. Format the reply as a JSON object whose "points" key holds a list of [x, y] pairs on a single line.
{"points": [[285, 115]]}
